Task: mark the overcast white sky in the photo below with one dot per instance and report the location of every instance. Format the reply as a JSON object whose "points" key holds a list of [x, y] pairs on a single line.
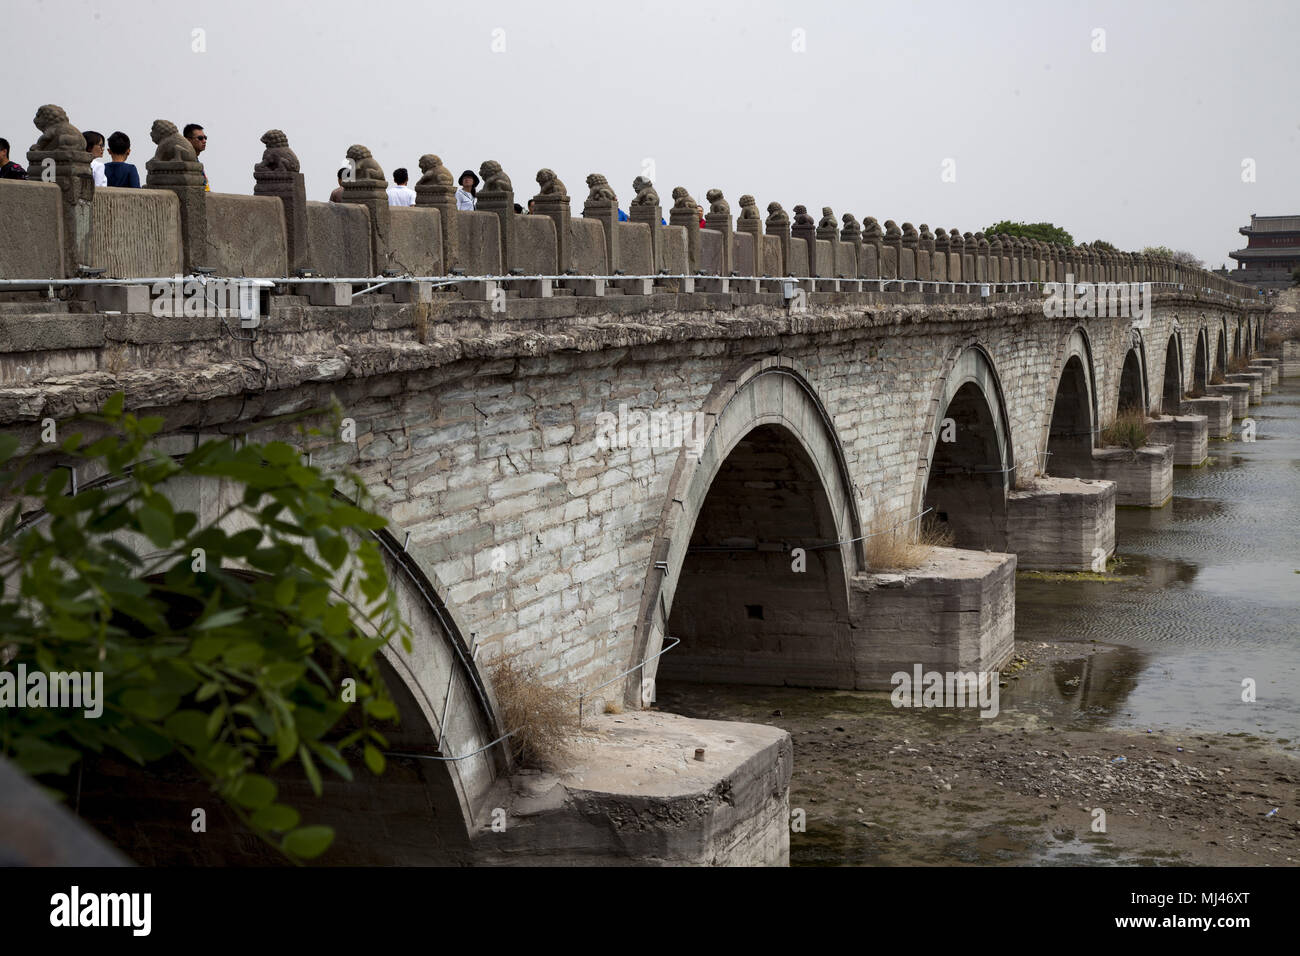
{"points": [[1141, 144]]}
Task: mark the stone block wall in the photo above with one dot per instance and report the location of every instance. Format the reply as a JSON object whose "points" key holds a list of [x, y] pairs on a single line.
{"points": [[34, 251], [339, 237], [415, 243], [136, 233], [246, 236]]}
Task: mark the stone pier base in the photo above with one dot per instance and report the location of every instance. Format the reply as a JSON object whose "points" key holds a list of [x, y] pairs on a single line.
{"points": [[1217, 410], [1061, 523], [1290, 363], [1189, 435], [957, 612], [1254, 379], [1143, 478], [1269, 365], [1239, 392], [634, 794]]}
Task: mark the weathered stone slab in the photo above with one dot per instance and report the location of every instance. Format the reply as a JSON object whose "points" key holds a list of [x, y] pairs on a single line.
{"points": [[246, 236], [587, 255], [36, 250], [535, 250], [136, 233], [415, 240], [338, 238], [480, 243], [634, 250]]}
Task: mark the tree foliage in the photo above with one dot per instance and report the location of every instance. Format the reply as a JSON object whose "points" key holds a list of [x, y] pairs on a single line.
{"points": [[1180, 256], [1042, 231], [1103, 245], [238, 650]]}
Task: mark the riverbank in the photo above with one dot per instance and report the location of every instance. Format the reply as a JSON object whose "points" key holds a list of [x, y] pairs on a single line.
{"points": [[884, 786]]}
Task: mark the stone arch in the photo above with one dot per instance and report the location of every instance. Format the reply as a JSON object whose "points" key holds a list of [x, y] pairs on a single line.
{"points": [[770, 477], [441, 818], [1221, 353], [1238, 346], [1070, 428], [964, 482], [1201, 362], [1171, 392], [1133, 391]]}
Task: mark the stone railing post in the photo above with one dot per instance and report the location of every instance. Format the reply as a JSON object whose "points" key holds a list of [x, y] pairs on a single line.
{"points": [[437, 189], [601, 204], [778, 224], [645, 208], [364, 184], [828, 231], [873, 249], [685, 213], [553, 202], [803, 227], [751, 222], [851, 234], [59, 156], [175, 167], [995, 273], [718, 218], [893, 248], [907, 259], [956, 256], [498, 196], [278, 175], [939, 257], [925, 254]]}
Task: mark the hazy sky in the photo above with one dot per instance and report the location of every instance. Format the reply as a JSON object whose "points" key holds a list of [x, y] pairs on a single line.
{"points": [[855, 105]]}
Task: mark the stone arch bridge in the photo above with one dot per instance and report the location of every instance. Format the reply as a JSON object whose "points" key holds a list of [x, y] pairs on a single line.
{"points": [[822, 405]]}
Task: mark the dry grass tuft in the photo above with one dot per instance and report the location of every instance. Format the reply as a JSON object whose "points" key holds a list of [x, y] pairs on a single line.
{"points": [[895, 550], [1128, 430], [613, 707], [543, 714], [1217, 378]]}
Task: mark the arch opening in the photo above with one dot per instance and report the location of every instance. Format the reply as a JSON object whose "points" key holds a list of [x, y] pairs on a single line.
{"points": [[1132, 394], [966, 490], [1171, 396], [1200, 365], [1221, 358], [747, 608], [1070, 438]]}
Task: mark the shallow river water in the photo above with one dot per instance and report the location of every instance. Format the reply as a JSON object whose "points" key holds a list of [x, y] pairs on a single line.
{"points": [[1208, 596]]}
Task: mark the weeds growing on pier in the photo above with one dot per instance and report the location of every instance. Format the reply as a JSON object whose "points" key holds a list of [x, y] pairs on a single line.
{"points": [[1127, 430], [1218, 379], [896, 551], [542, 714]]}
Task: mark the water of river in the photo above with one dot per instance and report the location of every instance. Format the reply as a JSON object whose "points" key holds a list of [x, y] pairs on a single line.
{"points": [[1209, 596]]}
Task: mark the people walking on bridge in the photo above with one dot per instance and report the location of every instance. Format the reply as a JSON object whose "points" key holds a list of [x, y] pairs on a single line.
{"points": [[8, 168], [199, 140], [400, 194], [467, 194], [119, 172], [95, 147], [337, 194]]}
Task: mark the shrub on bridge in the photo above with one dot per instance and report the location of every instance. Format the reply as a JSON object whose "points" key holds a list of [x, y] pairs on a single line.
{"points": [[1128, 430], [234, 651]]}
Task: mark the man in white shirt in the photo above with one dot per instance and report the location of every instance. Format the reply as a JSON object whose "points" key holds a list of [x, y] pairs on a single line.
{"points": [[400, 194], [95, 147]]}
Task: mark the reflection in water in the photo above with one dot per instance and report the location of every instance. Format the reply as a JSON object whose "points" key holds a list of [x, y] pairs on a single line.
{"points": [[1210, 599]]}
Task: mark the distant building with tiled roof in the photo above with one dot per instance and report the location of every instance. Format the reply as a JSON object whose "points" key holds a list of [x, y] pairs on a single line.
{"points": [[1272, 252]]}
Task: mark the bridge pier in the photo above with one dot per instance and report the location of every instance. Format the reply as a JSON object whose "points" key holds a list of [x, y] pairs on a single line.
{"points": [[1143, 478], [1269, 364], [1061, 524], [956, 612], [1188, 435], [1217, 410], [1239, 392], [636, 793], [1254, 379]]}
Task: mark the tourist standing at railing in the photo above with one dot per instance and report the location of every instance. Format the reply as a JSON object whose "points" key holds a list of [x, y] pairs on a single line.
{"points": [[95, 147], [467, 194], [119, 172], [8, 168], [337, 194], [199, 140], [400, 194]]}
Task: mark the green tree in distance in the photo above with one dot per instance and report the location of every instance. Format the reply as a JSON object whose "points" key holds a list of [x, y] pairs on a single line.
{"points": [[240, 652], [1042, 231]]}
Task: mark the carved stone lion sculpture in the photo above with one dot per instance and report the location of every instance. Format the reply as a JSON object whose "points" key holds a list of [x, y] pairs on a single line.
{"points": [[364, 165], [941, 235], [801, 217], [433, 173], [599, 189], [828, 218], [172, 146], [550, 184], [56, 131], [909, 232], [717, 205], [776, 216], [682, 199], [891, 230], [277, 155], [645, 192], [870, 228], [494, 177], [749, 208], [925, 232], [851, 224]]}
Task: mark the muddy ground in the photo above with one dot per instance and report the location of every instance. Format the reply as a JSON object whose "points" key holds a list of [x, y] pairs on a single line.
{"points": [[885, 786]]}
